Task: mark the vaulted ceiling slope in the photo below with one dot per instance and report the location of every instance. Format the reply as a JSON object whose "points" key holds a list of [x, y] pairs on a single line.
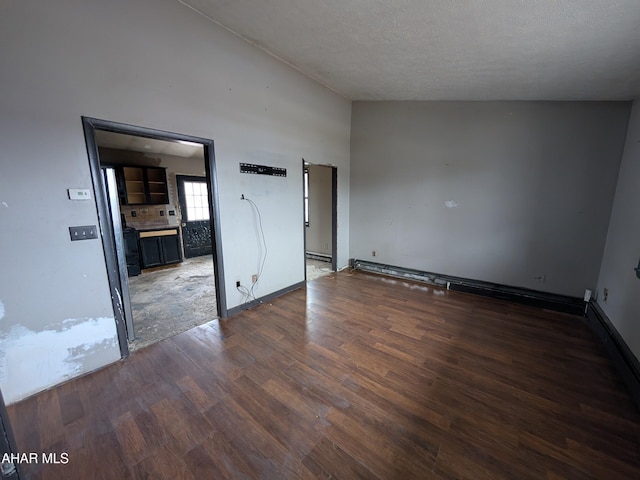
{"points": [[448, 49]]}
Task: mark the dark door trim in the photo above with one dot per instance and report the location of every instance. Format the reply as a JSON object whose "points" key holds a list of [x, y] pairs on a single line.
{"points": [[304, 224], [334, 219], [90, 125]]}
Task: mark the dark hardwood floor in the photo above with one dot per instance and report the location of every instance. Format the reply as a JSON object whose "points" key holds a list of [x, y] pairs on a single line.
{"points": [[359, 377]]}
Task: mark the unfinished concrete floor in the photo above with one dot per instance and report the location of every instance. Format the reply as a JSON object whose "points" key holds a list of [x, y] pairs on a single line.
{"points": [[170, 300], [317, 269]]}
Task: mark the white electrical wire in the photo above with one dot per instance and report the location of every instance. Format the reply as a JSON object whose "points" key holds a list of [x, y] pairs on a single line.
{"points": [[245, 293], [250, 294]]}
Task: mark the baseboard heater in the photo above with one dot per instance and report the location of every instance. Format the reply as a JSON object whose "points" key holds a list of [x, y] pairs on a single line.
{"points": [[323, 257], [623, 358], [550, 301]]}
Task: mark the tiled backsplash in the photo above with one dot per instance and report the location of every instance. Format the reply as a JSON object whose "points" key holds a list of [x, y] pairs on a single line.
{"points": [[148, 216]]}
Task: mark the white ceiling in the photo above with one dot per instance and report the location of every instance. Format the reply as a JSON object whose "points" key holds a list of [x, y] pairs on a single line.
{"points": [[121, 141], [448, 49]]}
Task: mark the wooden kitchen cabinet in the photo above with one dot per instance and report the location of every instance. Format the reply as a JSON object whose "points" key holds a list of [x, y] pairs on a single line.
{"points": [[143, 186], [160, 247]]}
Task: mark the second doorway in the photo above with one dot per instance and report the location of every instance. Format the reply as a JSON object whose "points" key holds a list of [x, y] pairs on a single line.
{"points": [[320, 216]]}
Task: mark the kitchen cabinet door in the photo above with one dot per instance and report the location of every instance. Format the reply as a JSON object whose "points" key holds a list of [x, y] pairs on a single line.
{"points": [[151, 252], [160, 248], [171, 249]]}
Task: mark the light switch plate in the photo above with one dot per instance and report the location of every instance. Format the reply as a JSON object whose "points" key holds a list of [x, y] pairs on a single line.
{"points": [[86, 232]]}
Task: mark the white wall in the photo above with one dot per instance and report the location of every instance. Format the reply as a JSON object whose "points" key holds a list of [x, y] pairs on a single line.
{"points": [[493, 191], [155, 64], [622, 251], [319, 229]]}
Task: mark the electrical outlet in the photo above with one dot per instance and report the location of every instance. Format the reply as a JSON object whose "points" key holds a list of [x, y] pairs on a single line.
{"points": [[254, 278], [540, 277], [605, 294], [373, 253]]}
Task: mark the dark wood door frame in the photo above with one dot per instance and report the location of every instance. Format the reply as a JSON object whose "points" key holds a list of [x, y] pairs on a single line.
{"points": [[90, 125], [334, 218]]}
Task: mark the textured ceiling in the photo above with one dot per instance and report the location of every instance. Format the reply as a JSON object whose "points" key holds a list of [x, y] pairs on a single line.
{"points": [[448, 49], [121, 141]]}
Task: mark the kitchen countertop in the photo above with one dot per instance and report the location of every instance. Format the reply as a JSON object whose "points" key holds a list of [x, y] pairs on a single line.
{"points": [[158, 232]]}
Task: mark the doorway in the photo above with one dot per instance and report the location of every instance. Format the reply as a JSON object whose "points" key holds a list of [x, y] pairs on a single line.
{"points": [[320, 186], [154, 212], [194, 212]]}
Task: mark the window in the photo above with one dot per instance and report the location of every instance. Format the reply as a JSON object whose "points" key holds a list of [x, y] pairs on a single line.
{"points": [[306, 196], [196, 200]]}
